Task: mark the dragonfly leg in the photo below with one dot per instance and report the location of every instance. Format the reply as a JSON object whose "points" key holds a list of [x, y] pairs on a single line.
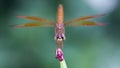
{"points": [[59, 39], [60, 43]]}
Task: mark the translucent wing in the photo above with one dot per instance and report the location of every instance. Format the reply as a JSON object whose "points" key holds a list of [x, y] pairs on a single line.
{"points": [[87, 23], [35, 18], [83, 18], [33, 24]]}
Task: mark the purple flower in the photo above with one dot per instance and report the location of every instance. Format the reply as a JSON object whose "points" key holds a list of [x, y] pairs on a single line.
{"points": [[59, 54]]}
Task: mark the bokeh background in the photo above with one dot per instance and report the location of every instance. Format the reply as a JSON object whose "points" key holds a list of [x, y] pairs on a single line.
{"points": [[85, 47]]}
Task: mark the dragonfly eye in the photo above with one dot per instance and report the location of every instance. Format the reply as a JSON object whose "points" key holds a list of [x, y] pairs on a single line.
{"points": [[59, 37]]}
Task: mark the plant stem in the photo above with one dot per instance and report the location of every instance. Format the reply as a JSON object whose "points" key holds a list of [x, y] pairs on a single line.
{"points": [[60, 57], [63, 64]]}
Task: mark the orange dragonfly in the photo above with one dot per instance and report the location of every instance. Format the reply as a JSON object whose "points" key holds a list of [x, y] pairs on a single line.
{"points": [[59, 24]]}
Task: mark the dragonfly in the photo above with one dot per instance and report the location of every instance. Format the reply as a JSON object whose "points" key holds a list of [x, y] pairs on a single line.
{"points": [[59, 24]]}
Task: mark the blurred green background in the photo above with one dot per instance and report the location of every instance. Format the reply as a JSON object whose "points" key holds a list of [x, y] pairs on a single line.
{"points": [[85, 47]]}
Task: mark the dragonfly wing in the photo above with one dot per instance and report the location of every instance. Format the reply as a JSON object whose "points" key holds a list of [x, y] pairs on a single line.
{"points": [[33, 24], [84, 18], [87, 23], [35, 18]]}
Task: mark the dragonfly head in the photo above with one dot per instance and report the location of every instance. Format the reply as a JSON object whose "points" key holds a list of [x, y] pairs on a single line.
{"points": [[60, 37]]}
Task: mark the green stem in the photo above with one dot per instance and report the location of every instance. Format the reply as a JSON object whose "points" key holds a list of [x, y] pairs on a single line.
{"points": [[63, 64]]}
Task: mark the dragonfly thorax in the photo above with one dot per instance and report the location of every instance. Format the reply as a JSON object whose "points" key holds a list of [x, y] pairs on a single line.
{"points": [[59, 25]]}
